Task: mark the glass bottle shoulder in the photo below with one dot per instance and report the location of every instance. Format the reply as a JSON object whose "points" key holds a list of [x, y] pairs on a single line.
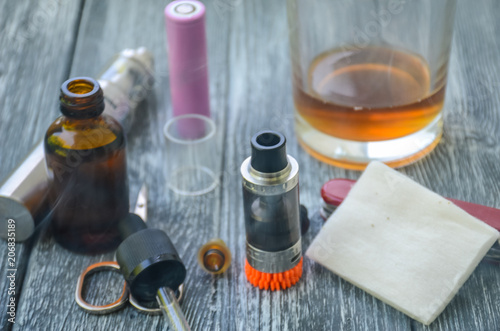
{"points": [[83, 134]]}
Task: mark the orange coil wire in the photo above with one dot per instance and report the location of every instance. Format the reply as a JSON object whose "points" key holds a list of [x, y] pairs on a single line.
{"points": [[275, 282]]}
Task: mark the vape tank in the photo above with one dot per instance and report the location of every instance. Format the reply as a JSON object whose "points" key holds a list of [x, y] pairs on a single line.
{"points": [[272, 216]]}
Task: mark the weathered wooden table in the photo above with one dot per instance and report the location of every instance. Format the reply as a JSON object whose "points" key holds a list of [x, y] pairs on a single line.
{"points": [[44, 42]]}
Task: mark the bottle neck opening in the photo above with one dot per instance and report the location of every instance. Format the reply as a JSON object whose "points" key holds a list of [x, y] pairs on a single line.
{"points": [[80, 87], [81, 97]]}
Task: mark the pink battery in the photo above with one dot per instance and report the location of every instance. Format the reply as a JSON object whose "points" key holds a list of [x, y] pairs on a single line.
{"points": [[187, 60]]}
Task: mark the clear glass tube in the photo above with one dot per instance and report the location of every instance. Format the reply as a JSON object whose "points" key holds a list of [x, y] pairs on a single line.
{"points": [[191, 154]]}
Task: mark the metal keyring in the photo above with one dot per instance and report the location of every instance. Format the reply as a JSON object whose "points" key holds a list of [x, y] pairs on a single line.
{"points": [[106, 309], [125, 296]]}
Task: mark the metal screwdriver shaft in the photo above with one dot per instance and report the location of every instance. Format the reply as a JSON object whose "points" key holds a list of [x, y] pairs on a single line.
{"points": [[171, 309]]}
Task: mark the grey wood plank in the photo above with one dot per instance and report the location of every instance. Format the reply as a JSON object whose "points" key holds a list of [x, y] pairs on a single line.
{"points": [[106, 28], [260, 99], [250, 91], [441, 171], [37, 44], [465, 164], [462, 166]]}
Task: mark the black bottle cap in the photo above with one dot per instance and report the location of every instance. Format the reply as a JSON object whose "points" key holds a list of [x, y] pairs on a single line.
{"points": [[268, 152], [131, 224], [148, 260]]}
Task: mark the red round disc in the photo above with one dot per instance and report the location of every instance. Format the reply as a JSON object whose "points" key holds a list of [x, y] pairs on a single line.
{"points": [[335, 190]]}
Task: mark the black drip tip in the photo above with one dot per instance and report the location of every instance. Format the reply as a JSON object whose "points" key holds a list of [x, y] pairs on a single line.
{"points": [[268, 152]]}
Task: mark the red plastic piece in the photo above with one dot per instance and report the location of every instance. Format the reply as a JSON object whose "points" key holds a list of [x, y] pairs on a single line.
{"points": [[334, 192]]}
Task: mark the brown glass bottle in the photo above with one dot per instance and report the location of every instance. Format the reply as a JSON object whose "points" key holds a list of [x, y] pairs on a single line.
{"points": [[86, 163]]}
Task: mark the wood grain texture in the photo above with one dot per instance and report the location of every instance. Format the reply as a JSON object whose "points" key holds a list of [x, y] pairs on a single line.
{"points": [[37, 45], [105, 29], [250, 86]]}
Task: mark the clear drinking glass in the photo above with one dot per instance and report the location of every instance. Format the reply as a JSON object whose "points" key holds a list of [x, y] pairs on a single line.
{"points": [[369, 77]]}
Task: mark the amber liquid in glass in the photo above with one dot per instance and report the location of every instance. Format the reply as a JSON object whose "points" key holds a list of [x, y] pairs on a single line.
{"points": [[368, 94], [89, 189]]}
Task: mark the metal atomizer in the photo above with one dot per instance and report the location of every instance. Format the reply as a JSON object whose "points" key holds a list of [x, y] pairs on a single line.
{"points": [[23, 194], [272, 216]]}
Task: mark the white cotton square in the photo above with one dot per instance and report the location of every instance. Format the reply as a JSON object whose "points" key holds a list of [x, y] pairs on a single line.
{"points": [[402, 243]]}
